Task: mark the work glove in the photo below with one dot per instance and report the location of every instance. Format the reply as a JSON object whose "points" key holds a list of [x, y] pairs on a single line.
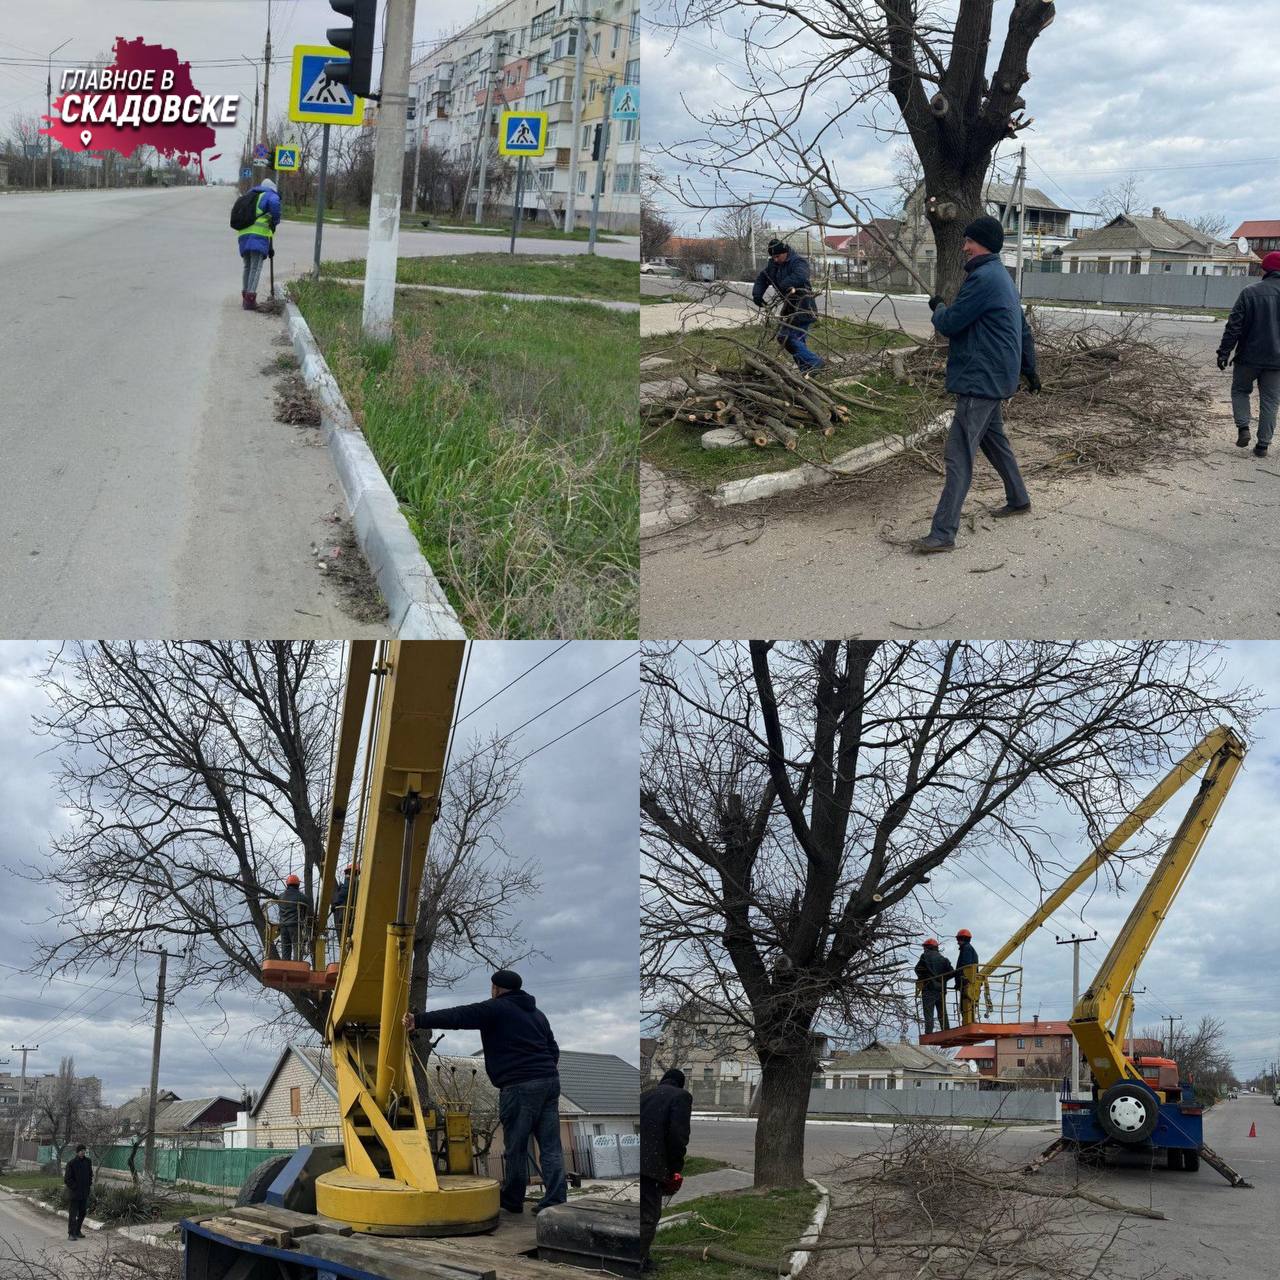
{"points": [[935, 302], [1223, 360], [672, 1184], [759, 302], [1033, 381]]}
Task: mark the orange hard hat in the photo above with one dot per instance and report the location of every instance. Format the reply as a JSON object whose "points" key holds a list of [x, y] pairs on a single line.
{"points": [[293, 880], [931, 942], [963, 933]]}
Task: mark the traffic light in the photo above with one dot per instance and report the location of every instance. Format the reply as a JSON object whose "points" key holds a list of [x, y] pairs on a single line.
{"points": [[596, 138], [357, 40]]}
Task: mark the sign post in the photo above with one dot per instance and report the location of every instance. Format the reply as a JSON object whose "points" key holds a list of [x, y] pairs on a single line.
{"points": [[315, 99], [521, 134]]}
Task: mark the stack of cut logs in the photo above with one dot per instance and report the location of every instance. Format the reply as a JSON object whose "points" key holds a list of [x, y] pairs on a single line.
{"points": [[766, 401]]}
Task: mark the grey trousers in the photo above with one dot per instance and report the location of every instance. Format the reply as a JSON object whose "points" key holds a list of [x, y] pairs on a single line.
{"points": [[1243, 376], [977, 425], [252, 271]]}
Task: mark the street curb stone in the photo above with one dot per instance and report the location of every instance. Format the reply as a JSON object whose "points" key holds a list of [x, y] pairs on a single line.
{"points": [[610, 304], [811, 476], [802, 1256], [417, 606]]}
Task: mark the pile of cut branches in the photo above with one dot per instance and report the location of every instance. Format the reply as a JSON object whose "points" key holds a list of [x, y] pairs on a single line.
{"points": [[1113, 396], [944, 1204], [764, 398]]}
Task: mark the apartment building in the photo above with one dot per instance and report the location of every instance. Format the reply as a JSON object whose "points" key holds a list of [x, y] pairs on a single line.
{"points": [[521, 56]]}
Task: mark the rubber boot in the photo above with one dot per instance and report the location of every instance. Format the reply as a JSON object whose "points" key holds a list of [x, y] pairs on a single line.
{"points": [[251, 302], [244, 300]]}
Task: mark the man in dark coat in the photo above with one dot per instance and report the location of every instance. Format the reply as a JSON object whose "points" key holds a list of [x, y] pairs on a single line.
{"points": [[78, 1178], [664, 1137], [344, 900], [966, 971], [990, 348], [295, 916], [788, 274], [1253, 333], [932, 971], [522, 1061]]}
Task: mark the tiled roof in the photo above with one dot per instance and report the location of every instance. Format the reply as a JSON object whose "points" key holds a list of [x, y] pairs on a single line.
{"points": [[174, 1116], [882, 1056], [1129, 231], [601, 1084], [1002, 192], [1257, 230]]}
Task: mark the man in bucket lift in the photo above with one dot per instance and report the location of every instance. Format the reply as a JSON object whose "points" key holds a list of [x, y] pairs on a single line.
{"points": [[967, 977], [932, 971]]}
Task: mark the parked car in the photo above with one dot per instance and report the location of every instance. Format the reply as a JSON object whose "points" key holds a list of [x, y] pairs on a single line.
{"points": [[659, 269]]}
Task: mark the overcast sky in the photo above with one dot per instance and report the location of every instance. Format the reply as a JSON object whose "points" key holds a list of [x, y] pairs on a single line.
{"points": [[576, 816], [1184, 95], [202, 31]]}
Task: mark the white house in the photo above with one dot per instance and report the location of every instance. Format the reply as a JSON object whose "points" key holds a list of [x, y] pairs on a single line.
{"points": [[889, 1065], [1132, 244]]}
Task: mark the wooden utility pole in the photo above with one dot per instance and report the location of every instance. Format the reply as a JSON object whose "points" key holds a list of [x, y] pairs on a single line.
{"points": [[149, 1161], [266, 79], [23, 1049], [1170, 1019]]}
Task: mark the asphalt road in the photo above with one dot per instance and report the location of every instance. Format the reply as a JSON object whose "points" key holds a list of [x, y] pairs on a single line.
{"points": [[29, 1232], [147, 488], [1183, 548], [1211, 1230]]}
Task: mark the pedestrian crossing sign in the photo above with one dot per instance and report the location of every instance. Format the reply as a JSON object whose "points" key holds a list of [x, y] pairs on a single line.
{"points": [[522, 133], [286, 158], [626, 102], [313, 97]]}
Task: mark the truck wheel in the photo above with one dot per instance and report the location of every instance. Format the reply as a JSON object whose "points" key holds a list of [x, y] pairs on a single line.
{"points": [[1128, 1112], [1173, 1157], [256, 1185], [1191, 1161]]}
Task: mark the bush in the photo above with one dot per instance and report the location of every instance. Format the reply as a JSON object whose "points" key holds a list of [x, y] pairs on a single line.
{"points": [[115, 1202]]}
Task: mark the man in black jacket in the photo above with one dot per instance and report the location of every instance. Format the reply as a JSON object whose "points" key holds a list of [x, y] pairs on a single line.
{"points": [[664, 1137], [295, 919], [1253, 332], [932, 970], [78, 1178], [788, 274], [521, 1059]]}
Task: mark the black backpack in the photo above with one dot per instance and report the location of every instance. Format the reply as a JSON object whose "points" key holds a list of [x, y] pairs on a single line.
{"points": [[244, 213]]}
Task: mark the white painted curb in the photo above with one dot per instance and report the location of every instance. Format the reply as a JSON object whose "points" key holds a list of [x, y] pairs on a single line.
{"points": [[418, 608], [612, 304], [92, 1223], [800, 1258], [810, 476]]}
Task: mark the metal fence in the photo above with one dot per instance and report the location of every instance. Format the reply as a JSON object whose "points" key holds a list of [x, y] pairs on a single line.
{"points": [[970, 1104], [1160, 290], [210, 1166], [607, 1155]]}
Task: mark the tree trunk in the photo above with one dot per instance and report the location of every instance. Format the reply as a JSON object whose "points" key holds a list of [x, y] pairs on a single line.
{"points": [[785, 1080]]}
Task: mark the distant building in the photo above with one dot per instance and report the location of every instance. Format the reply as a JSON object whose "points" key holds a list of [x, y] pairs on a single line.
{"points": [[893, 1065], [1263, 237], [647, 1047], [181, 1122], [1131, 244]]}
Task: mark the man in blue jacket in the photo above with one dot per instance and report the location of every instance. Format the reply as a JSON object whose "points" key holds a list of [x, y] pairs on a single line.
{"points": [[521, 1059], [256, 242], [1253, 333], [788, 273], [990, 348]]}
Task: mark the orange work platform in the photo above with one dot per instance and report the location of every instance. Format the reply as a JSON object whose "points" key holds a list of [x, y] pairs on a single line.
{"points": [[297, 973], [969, 1033]]}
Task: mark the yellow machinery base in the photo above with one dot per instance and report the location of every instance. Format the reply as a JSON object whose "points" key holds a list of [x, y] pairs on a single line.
{"points": [[462, 1206]]}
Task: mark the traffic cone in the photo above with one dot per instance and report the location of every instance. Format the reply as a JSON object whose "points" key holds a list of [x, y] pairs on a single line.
{"points": [[1253, 1130]]}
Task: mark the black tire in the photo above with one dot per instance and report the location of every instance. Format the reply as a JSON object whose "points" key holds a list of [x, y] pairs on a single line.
{"points": [[1191, 1161], [258, 1183], [1173, 1157], [1128, 1113]]}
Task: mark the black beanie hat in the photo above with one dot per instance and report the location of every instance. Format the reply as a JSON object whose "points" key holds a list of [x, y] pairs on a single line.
{"points": [[778, 246], [987, 232], [674, 1077], [507, 980]]}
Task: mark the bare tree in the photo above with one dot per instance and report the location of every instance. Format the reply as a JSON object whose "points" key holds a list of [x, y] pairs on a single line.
{"points": [[1126, 196], [930, 65], [1200, 1052], [1212, 224], [196, 775], [655, 227], [797, 798], [740, 224]]}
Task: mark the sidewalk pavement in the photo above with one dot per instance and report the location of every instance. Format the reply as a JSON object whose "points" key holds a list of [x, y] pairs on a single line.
{"points": [[679, 317], [713, 1183]]}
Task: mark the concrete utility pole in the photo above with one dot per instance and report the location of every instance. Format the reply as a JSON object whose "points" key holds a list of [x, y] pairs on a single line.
{"points": [[48, 108], [1022, 217], [149, 1160], [266, 80], [253, 120], [1170, 1019], [23, 1049], [1075, 943], [483, 142], [419, 97], [388, 172], [579, 55], [600, 166]]}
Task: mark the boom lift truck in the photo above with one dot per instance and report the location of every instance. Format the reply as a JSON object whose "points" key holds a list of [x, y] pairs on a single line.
{"points": [[404, 1168], [1138, 1103]]}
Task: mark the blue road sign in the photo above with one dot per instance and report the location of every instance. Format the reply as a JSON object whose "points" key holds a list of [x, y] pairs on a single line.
{"points": [[246, 173], [522, 133], [261, 154], [286, 158], [313, 97], [626, 102]]}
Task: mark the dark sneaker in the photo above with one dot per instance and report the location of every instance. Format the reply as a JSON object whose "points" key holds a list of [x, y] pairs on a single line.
{"points": [[931, 546], [1242, 437], [1259, 450], [1002, 513]]}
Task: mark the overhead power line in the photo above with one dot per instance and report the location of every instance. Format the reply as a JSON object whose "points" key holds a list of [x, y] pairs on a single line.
{"points": [[560, 702], [517, 680], [578, 726]]}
